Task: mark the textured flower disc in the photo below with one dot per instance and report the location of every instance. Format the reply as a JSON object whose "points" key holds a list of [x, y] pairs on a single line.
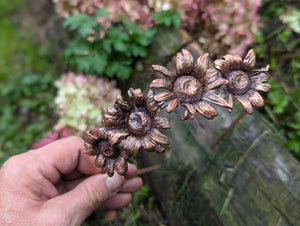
{"points": [[191, 86], [108, 156], [135, 127], [244, 82]]}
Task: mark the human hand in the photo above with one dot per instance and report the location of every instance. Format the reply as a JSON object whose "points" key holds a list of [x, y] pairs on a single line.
{"points": [[59, 185]]}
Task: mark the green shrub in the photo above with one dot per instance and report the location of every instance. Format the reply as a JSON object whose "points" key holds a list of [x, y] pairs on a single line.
{"points": [[106, 48], [279, 44], [111, 55], [27, 101]]}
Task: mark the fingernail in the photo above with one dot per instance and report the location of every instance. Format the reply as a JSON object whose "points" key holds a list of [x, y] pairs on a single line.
{"points": [[115, 182]]}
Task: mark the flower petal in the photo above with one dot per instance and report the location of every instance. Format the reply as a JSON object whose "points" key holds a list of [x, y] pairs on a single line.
{"points": [[114, 110], [164, 96], [263, 87], [223, 66], [161, 122], [256, 99], [115, 136], [206, 110], [160, 83], [184, 63], [131, 144], [136, 95], [234, 61], [264, 69], [191, 109], [246, 104], [90, 149], [168, 74], [159, 137], [186, 115], [201, 65], [172, 105], [215, 99], [148, 144], [109, 167], [111, 121], [212, 75], [219, 82], [121, 166], [249, 61], [100, 160], [124, 153], [260, 77], [123, 104], [230, 101], [152, 106], [90, 138], [160, 149], [102, 133]]}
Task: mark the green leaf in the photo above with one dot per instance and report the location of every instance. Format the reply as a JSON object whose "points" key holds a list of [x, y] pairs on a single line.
{"points": [[138, 51], [294, 144], [83, 63], [146, 37], [99, 62], [81, 23], [279, 100], [112, 69], [101, 13], [168, 18], [132, 28], [124, 72], [77, 47], [105, 45], [120, 46]]}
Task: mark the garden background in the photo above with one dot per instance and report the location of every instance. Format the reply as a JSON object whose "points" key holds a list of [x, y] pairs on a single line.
{"points": [[63, 62]]}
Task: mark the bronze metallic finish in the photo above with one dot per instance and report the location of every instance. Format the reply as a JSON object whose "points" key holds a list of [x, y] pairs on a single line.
{"points": [[107, 156], [129, 128], [192, 86], [244, 82]]}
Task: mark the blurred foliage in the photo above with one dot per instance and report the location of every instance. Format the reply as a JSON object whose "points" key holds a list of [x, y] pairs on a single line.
{"points": [[8, 7], [219, 25], [26, 83], [111, 55], [110, 50], [112, 47], [26, 101], [169, 18], [279, 44], [16, 46]]}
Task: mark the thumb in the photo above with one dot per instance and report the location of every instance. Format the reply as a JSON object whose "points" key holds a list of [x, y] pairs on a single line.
{"points": [[77, 204]]}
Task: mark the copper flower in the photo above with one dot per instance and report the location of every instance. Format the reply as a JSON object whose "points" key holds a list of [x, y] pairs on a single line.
{"points": [[108, 156], [191, 86], [136, 127], [243, 80]]}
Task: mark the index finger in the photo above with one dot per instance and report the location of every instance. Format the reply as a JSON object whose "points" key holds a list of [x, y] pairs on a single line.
{"points": [[65, 155]]}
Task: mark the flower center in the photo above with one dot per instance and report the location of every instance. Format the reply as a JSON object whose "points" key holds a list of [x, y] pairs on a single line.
{"points": [[107, 151], [239, 82], [188, 89], [139, 122]]}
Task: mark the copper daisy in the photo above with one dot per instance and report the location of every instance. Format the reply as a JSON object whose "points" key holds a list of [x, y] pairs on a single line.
{"points": [[244, 81], [191, 86], [109, 156], [136, 126]]}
